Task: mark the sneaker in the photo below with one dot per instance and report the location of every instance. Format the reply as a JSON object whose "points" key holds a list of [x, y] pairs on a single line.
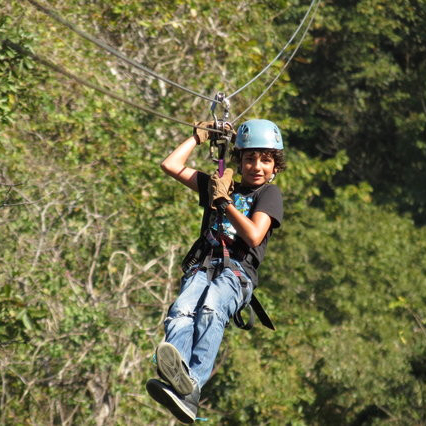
{"points": [[184, 408], [172, 368]]}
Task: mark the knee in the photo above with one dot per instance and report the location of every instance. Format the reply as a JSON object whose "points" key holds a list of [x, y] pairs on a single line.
{"points": [[207, 310], [208, 313], [180, 312]]}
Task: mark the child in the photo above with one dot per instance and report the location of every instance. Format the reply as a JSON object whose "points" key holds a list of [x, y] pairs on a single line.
{"points": [[217, 281]]}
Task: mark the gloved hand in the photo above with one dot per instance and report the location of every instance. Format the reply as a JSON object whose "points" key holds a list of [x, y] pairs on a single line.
{"points": [[203, 135], [220, 188]]}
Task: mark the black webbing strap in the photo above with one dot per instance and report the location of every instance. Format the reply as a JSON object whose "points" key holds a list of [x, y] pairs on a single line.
{"points": [[261, 313], [238, 319]]}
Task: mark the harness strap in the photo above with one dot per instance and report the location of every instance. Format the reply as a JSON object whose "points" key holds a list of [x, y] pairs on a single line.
{"points": [[254, 306], [251, 308], [238, 319], [261, 313]]}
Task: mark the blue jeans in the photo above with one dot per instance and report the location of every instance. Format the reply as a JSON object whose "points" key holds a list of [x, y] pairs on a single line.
{"points": [[197, 319]]}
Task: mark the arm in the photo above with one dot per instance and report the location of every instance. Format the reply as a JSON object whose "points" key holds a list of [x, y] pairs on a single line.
{"points": [[174, 164], [253, 230]]}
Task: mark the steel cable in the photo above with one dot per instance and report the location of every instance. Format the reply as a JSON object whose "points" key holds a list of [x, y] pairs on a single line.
{"points": [[113, 51], [283, 67], [119, 55], [84, 82], [147, 70], [276, 57]]}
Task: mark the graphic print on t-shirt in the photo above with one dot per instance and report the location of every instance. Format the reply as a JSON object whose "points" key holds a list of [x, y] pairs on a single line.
{"points": [[243, 205]]}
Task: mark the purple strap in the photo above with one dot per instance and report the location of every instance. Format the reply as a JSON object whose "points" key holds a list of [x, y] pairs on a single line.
{"points": [[220, 167]]}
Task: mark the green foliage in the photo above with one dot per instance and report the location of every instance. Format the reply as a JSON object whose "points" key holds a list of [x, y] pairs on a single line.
{"points": [[305, 176], [13, 69], [93, 231], [352, 297], [363, 91]]}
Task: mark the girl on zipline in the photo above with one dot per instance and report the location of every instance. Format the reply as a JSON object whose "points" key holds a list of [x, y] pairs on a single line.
{"points": [[220, 270]]}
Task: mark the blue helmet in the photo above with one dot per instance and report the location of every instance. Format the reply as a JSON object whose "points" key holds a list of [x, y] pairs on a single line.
{"points": [[259, 133]]}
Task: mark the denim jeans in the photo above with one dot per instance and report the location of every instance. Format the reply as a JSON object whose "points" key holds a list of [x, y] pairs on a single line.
{"points": [[197, 319]]}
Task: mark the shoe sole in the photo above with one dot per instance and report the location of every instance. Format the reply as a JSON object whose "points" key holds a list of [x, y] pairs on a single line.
{"points": [[171, 368], [165, 397]]}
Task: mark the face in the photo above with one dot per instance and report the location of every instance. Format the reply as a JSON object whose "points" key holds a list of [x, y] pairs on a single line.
{"points": [[256, 168]]}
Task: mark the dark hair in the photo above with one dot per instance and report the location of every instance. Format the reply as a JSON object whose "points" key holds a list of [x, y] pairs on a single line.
{"points": [[277, 154]]}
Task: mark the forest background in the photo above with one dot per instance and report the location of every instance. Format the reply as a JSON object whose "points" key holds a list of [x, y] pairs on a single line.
{"points": [[93, 232]]}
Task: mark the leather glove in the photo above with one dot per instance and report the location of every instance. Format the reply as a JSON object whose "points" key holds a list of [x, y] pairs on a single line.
{"points": [[220, 188], [201, 135]]}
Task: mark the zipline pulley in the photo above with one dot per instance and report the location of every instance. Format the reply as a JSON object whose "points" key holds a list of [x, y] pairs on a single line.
{"points": [[220, 140]]}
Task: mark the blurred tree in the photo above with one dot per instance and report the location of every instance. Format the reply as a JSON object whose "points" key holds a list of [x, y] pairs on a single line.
{"points": [[92, 232], [362, 89]]}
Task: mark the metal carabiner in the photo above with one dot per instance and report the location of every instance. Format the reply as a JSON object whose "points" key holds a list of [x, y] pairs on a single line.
{"points": [[219, 98], [224, 101]]}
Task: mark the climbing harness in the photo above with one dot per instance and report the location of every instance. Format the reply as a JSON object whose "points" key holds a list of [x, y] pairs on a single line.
{"points": [[201, 256], [215, 245]]}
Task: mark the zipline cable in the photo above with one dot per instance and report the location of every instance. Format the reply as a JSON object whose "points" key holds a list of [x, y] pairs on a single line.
{"points": [[118, 54], [282, 69], [106, 92], [276, 57], [113, 51], [141, 67]]}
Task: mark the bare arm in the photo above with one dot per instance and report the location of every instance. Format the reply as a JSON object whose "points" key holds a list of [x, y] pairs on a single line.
{"points": [[252, 230], [174, 164]]}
